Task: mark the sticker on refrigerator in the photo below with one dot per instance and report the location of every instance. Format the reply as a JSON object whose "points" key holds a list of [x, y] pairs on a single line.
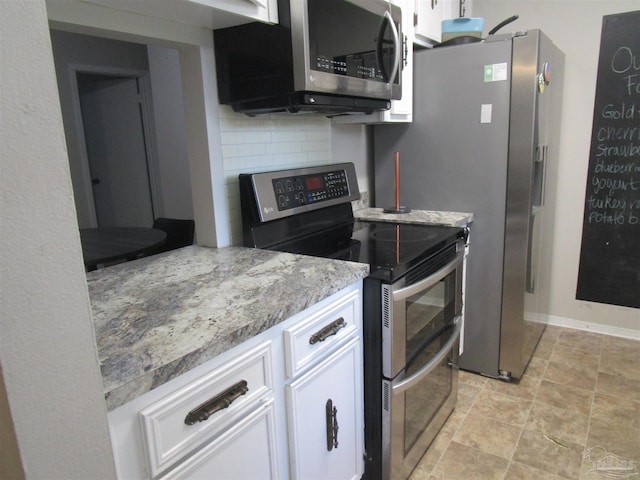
{"points": [[496, 72], [485, 113]]}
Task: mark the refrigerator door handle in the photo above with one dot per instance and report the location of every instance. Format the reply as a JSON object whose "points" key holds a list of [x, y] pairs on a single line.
{"points": [[543, 176], [530, 274], [539, 175]]}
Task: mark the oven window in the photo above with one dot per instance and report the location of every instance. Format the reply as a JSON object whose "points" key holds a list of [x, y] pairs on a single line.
{"points": [[428, 313], [424, 400]]}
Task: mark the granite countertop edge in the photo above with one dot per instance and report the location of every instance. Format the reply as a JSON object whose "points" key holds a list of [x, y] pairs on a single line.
{"points": [[159, 317], [423, 217]]}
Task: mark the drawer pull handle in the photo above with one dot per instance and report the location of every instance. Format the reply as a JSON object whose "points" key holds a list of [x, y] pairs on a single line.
{"points": [[219, 402], [326, 332], [332, 425]]}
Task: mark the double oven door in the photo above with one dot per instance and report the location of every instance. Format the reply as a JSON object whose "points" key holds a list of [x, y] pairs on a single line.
{"points": [[421, 323]]}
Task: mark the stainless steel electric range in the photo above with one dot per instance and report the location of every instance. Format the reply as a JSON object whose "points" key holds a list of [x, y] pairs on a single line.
{"points": [[412, 300]]}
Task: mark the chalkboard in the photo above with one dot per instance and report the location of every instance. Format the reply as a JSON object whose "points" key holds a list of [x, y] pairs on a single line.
{"points": [[610, 253]]}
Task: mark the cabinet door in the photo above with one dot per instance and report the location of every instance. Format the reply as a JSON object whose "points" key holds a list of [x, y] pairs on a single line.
{"points": [[313, 452], [429, 16], [200, 13], [246, 451]]}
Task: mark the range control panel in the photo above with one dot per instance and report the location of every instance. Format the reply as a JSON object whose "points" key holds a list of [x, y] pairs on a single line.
{"points": [[288, 192], [296, 191]]}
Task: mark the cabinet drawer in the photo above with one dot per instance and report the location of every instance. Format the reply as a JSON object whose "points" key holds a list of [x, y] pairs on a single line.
{"points": [[226, 456], [313, 339], [166, 433]]}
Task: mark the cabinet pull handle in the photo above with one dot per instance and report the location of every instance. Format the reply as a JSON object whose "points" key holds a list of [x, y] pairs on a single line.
{"points": [[332, 425], [324, 333], [221, 401]]}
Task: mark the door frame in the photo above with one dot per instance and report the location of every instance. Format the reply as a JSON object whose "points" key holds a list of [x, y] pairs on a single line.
{"points": [[148, 127]]}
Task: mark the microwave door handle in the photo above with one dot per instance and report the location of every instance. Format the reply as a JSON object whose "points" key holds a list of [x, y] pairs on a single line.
{"points": [[396, 46], [406, 383], [431, 280]]}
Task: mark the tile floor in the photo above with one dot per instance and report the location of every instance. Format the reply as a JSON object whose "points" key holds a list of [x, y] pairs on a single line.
{"points": [[575, 414]]}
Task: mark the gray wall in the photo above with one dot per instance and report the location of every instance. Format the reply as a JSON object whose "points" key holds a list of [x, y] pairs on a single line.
{"points": [[73, 50], [168, 111]]}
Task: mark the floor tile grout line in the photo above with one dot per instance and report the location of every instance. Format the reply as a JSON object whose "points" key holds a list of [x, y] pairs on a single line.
{"points": [[593, 401]]}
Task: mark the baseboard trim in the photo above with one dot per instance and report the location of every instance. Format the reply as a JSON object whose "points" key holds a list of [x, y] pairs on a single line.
{"points": [[584, 326]]}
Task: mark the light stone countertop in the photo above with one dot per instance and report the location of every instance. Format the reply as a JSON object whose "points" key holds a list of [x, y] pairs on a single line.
{"points": [[426, 217], [161, 316]]}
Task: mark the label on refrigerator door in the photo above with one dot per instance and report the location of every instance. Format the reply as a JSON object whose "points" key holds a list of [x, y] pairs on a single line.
{"points": [[485, 112], [496, 72]]}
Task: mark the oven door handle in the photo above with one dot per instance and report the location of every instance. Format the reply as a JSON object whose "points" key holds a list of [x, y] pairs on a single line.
{"points": [[431, 280], [406, 383]]}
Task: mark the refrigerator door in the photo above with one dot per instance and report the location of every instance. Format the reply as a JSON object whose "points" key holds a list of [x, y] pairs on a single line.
{"points": [[454, 157], [533, 100], [519, 242]]}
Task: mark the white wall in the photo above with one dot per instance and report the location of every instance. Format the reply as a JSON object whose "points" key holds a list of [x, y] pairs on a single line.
{"points": [[268, 142], [351, 143], [48, 355], [272, 142], [575, 27]]}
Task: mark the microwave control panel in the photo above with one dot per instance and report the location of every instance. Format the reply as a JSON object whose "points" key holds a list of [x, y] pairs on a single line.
{"points": [[288, 192]]}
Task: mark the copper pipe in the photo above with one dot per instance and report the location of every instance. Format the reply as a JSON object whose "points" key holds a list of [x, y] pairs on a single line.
{"points": [[397, 181]]}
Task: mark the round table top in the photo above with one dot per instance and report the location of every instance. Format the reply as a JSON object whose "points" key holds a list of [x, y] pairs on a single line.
{"points": [[108, 244]]}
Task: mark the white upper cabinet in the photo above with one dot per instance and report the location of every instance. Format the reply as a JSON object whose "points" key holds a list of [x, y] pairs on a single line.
{"points": [[429, 15], [200, 13]]}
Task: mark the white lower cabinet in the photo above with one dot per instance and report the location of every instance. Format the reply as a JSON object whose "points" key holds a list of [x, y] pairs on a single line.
{"points": [[259, 410], [325, 418], [247, 451]]}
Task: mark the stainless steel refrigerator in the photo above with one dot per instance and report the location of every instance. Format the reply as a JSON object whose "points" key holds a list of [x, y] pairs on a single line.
{"points": [[483, 138]]}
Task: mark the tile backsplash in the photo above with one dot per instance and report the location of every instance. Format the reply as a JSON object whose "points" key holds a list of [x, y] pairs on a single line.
{"points": [[268, 142]]}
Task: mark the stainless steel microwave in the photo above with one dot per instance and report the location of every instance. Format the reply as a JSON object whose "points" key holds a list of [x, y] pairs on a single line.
{"points": [[329, 56]]}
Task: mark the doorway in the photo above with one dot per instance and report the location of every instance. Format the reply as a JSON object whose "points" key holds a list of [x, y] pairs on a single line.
{"points": [[118, 150]]}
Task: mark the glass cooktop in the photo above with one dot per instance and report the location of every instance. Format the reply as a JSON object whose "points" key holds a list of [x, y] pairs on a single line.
{"points": [[390, 249]]}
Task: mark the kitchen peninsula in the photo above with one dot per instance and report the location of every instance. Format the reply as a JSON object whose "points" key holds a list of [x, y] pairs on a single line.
{"points": [[158, 317], [271, 333]]}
